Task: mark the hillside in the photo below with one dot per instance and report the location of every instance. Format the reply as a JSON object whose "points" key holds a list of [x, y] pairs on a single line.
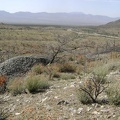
{"points": [[113, 24], [73, 18], [85, 59]]}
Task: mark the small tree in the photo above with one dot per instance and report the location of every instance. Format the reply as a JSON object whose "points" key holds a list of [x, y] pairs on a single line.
{"points": [[59, 47]]}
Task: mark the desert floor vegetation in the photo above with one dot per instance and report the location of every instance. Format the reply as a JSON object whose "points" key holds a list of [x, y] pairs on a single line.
{"points": [[81, 81]]}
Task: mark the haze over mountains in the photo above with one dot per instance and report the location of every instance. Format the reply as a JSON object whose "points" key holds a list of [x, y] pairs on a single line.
{"points": [[73, 18]]}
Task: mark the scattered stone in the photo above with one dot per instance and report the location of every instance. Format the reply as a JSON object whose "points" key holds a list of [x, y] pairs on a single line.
{"points": [[79, 110], [43, 100], [105, 110], [48, 108], [96, 113], [62, 102], [89, 108], [17, 113], [73, 111]]}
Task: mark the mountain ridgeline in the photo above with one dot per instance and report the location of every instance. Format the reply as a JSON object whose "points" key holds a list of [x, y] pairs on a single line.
{"points": [[73, 18]]}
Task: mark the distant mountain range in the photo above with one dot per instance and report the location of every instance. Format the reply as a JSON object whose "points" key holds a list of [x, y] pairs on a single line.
{"points": [[73, 18]]}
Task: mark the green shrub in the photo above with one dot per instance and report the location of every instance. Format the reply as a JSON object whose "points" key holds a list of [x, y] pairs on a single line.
{"points": [[67, 67], [100, 73], [16, 86], [36, 83], [113, 93]]}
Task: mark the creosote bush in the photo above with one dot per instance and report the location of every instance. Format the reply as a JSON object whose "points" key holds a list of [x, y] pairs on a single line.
{"points": [[37, 83], [90, 89], [100, 73], [67, 67], [113, 93]]}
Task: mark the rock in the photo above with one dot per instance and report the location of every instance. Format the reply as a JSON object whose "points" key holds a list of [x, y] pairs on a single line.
{"points": [[96, 113], [62, 102], [20, 65], [89, 108], [79, 110], [48, 108], [73, 111], [17, 113], [43, 100], [105, 110]]}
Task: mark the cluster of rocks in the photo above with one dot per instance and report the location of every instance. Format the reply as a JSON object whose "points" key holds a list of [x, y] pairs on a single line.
{"points": [[21, 64]]}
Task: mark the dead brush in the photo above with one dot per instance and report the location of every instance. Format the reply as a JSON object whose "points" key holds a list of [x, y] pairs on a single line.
{"points": [[91, 89], [3, 80]]}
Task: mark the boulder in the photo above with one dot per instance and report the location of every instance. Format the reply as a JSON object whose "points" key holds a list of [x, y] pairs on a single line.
{"points": [[21, 64]]}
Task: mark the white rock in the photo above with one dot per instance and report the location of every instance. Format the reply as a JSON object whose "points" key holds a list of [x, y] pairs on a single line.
{"points": [[17, 113], [72, 86], [56, 97], [18, 100], [105, 110], [43, 100], [89, 108], [65, 88], [79, 110], [96, 113]]}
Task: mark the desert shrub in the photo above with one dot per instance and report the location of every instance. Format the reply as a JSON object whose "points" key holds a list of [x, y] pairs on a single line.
{"points": [[52, 70], [56, 75], [67, 67], [38, 69], [2, 83], [79, 69], [84, 98], [113, 65], [36, 83], [100, 73], [16, 86], [91, 88], [67, 76], [113, 93]]}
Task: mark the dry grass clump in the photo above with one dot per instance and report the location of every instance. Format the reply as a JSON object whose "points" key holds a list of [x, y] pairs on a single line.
{"points": [[66, 76], [16, 86], [38, 69], [113, 93], [36, 83], [67, 68]]}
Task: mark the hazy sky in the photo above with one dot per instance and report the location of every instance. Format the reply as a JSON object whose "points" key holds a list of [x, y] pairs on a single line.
{"points": [[98, 7]]}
